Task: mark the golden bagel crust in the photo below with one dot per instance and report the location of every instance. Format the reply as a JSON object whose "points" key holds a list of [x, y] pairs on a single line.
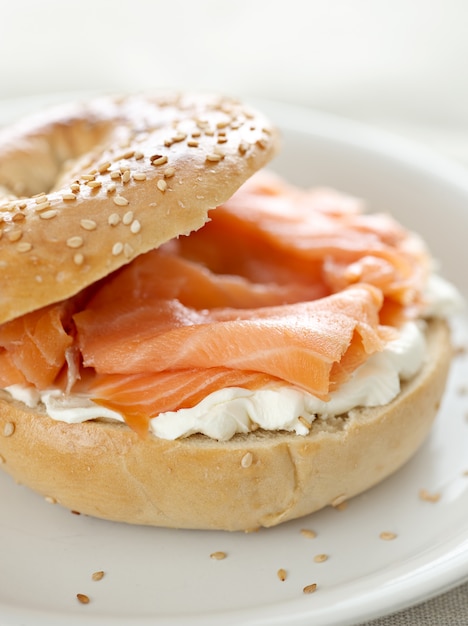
{"points": [[105, 470], [86, 188]]}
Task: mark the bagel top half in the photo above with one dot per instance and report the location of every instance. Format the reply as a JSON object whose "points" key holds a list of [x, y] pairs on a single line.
{"points": [[86, 188]]}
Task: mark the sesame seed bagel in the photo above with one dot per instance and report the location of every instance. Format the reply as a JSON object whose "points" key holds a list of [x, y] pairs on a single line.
{"points": [[86, 188], [104, 469]]}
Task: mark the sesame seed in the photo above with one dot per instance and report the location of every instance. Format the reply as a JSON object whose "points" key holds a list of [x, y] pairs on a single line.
{"points": [[82, 598], [338, 500], [14, 235], [128, 251], [247, 460], [110, 188], [42, 207], [115, 174], [158, 159], [196, 133], [138, 155], [128, 154], [18, 217], [310, 588], [387, 536], [120, 200], [169, 172], [218, 556], [243, 147], [126, 177], [78, 259], [320, 558], [88, 177], [50, 500], [24, 246], [428, 497], [41, 199], [98, 575], [222, 139], [117, 248], [88, 224], [135, 227], [8, 429], [213, 157], [281, 573], [193, 143], [127, 218], [74, 242], [161, 185], [139, 176], [304, 422], [310, 534], [168, 143], [261, 143], [179, 137], [113, 219], [104, 167], [209, 132], [94, 184], [22, 205], [68, 196], [75, 187]]}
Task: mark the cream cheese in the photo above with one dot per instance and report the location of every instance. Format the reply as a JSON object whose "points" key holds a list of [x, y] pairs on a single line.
{"points": [[229, 411]]}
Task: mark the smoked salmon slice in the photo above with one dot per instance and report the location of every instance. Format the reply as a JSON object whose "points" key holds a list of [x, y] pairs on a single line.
{"points": [[281, 286]]}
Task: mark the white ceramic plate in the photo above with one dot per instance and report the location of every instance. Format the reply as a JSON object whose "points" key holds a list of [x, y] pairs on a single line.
{"points": [[166, 577]]}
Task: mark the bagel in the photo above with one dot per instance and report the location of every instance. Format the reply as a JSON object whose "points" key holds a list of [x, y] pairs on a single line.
{"points": [[92, 189], [88, 187]]}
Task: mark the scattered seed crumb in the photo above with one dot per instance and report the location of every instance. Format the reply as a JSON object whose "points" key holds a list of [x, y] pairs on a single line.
{"points": [[218, 556], [428, 497], [310, 534], [282, 574], [50, 500], [387, 535], [82, 598], [320, 558], [75, 512], [310, 588], [98, 575]]}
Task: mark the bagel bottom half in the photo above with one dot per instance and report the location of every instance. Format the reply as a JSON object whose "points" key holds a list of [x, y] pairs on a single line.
{"points": [[104, 469]]}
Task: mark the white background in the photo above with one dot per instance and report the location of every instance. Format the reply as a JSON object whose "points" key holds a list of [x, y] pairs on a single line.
{"points": [[400, 64]]}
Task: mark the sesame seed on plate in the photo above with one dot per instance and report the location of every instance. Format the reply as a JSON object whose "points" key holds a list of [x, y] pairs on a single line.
{"points": [[139, 176], [161, 185], [387, 535], [98, 575], [281, 573], [82, 598], [310, 588], [218, 556]]}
